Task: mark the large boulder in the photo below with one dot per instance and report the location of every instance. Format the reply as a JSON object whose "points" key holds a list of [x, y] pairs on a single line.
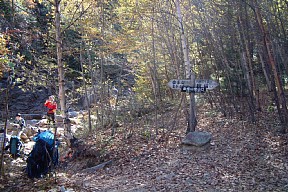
{"points": [[25, 102], [197, 138], [59, 118], [30, 131], [41, 123], [10, 126], [30, 116], [72, 114], [24, 138], [32, 122], [74, 121]]}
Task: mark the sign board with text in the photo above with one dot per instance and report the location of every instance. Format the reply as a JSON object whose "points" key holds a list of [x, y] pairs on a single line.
{"points": [[208, 84], [189, 89]]}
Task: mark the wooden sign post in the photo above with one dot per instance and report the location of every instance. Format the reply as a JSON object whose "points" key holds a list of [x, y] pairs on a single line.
{"points": [[188, 86], [180, 84]]}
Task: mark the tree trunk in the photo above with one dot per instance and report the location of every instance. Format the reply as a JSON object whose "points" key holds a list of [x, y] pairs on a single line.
{"points": [[9, 82], [282, 110], [247, 68], [155, 82], [85, 89], [264, 69], [92, 72], [61, 77], [189, 73]]}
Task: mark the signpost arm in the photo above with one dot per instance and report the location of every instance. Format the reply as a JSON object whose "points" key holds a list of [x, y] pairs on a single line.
{"points": [[189, 74]]}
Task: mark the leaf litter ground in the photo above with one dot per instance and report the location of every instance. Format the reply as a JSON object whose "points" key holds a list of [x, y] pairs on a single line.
{"points": [[242, 157]]}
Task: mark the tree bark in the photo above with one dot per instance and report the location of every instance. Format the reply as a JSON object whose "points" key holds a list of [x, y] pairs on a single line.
{"points": [[9, 82], [282, 110], [85, 89], [155, 82], [61, 77], [247, 68], [189, 73]]}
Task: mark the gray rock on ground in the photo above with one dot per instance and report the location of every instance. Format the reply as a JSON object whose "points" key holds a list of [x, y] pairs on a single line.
{"points": [[197, 138]]}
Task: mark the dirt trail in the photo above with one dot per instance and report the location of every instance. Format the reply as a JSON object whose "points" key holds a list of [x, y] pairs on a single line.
{"points": [[242, 157]]}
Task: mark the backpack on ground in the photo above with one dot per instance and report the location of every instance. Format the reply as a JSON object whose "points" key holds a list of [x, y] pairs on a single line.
{"points": [[15, 146], [41, 159]]}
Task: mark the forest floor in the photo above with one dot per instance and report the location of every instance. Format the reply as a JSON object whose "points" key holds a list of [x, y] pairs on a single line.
{"points": [[242, 157]]}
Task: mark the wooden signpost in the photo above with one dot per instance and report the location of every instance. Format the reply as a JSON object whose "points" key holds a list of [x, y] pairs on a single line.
{"points": [[185, 85], [194, 138]]}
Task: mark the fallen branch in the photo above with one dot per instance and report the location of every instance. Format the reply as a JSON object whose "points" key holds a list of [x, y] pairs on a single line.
{"points": [[97, 167]]}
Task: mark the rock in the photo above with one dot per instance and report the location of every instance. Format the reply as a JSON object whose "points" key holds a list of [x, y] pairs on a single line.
{"points": [[77, 128], [30, 131], [24, 138], [72, 114], [41, 123], [197, 138], [21, 101], [32, 122], [74, 121], [10, 127], [82, 112], [32, 116], [168, 177], [62, 189], [59, 118], [54, 190]]}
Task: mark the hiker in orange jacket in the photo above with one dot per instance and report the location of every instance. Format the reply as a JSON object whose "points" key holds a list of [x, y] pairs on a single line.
{"points": [[52, 106]]}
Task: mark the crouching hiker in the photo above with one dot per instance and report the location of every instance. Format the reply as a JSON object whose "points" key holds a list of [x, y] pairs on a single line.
{"points": [[44, 155], [15, 144], [21, 128], [19, 125]]}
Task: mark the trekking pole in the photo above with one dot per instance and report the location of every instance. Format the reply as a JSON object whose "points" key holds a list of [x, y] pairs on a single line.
{"points": [[54, 152]]}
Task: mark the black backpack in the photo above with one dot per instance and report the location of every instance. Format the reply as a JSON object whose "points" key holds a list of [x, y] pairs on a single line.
{"points": [[41, 159], [15, 146]]}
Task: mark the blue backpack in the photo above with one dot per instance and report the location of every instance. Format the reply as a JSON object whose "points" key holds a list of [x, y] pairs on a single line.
{"points": [[41, 158], [15, 146], [46, 136]]}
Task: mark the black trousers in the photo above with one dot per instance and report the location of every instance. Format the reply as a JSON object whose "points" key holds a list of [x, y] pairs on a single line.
{"points": [[51, 118]]}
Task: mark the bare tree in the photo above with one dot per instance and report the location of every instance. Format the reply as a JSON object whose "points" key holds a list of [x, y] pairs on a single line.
{"points": [[192, 123], [276, 81], [85, 88], [61, 77]]}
